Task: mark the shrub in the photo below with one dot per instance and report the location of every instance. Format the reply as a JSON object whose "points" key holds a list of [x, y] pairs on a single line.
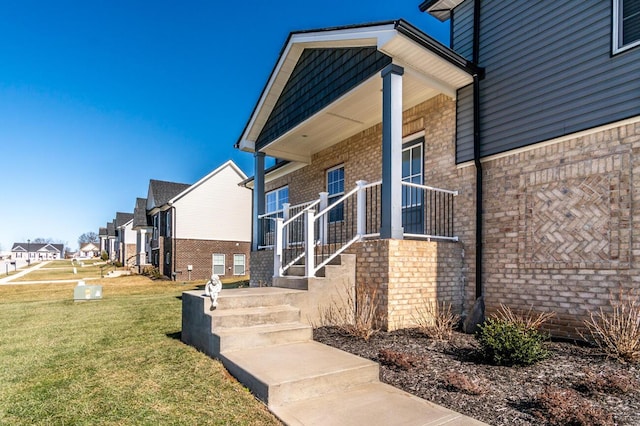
{"points": [[605, 381], [617, 332], [151, 272], [104, 256], [357, 315], [397, 359], [507, 343], [436, 320], [458, 382], [117, 264], [566, 407]]}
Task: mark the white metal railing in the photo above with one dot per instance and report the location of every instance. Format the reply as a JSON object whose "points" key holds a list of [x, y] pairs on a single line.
{"points": [[319, 231], [267, 222]]}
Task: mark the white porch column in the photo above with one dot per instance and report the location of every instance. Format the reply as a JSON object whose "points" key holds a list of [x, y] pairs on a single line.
{"points": [[258, 198], [277, 248], [391, 197], [142, 247]]}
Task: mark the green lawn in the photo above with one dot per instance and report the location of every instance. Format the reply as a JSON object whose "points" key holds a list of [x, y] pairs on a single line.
{"points": [[114, 361]]}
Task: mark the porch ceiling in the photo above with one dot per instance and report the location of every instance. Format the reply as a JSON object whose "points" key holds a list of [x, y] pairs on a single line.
{"points": [[430, 69]]}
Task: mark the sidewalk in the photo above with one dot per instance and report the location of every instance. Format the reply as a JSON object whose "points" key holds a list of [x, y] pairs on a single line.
{"points": [[23, 272]]}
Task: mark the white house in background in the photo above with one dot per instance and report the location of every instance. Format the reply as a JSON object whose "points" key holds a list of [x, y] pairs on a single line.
{"points": [[37, 251], [89, 250], [200, 229]]}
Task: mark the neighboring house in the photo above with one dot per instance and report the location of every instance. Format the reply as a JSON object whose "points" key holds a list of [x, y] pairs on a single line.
{"points": [[202, 228], [144, 230], [89, 250], [102, 236], [37, 251], [111, 241], [451, 174], [125, 241]]}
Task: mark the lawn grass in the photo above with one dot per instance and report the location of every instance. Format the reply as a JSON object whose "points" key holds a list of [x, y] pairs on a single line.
{"points": [[115, 361]]}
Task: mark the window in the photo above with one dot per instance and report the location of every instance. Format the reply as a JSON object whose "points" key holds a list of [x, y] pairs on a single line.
{"points": [[155, 226], [335, 188], [218, 264], [167, 224], [275, 199], [626, 24], [238, 264], [412, 172], [167, 258]]}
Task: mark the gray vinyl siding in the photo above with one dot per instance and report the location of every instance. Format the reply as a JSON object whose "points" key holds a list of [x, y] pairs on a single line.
{"points": [[464, 124], [462, 22], [550, 72], [320, 77]]}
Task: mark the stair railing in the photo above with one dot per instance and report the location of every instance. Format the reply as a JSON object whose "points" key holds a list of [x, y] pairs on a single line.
{"points": [[289, 240]]}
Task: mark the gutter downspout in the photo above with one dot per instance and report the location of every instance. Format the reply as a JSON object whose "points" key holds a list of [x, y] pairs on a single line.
{"points": [[476, 147]]}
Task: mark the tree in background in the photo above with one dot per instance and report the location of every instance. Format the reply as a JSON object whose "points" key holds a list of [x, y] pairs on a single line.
{"points": [[88, 237]]}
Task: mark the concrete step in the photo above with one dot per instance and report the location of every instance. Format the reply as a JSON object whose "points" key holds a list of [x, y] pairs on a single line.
{"points": [[283, 374], [247, 317], [289, 282], [253, 297], [237, 338], [368, 404]]}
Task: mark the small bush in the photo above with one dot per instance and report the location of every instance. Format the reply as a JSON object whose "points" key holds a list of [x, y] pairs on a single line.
{"points": [[117, 264], [565, 407], [605, 381], [397, 359], [458, 382], [436, 320], [104, 256], [150, 271], [507, 343], [617, 332], [356, 316]]}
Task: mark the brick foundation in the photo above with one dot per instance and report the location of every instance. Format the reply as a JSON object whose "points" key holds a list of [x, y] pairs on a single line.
{"points": [[261, 268]]}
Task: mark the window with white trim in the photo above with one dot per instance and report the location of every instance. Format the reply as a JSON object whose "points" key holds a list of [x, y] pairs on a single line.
{"points": [[167, 224], [155, 226], [275, 199], [626, 24], [238, 264], [218, 264], [335, 188]]}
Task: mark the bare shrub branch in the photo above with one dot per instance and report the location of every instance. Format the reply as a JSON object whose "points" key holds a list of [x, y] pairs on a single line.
{"points": [[436, 320], [617, 333], [529, 321], [357, 315]]}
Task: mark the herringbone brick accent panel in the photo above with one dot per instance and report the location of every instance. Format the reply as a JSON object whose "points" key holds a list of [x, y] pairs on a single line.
{"points": [[570, 221]]}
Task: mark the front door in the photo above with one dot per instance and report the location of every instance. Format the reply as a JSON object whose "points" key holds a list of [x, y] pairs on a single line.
{"points": [[412, 197]]}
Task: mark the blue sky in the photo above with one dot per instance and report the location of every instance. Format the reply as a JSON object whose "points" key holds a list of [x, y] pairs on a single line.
{"points": [[98, 97]]}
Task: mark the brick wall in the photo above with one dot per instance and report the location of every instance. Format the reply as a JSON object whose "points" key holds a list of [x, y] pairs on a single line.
{"points": [[561, 220], [199, 254], [408, 275], [261, 268]]}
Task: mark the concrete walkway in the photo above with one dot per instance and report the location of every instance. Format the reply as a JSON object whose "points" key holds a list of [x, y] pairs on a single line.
{"points": [[23, 272], [258, 336]]}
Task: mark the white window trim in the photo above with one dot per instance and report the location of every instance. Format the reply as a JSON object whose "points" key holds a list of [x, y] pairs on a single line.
{"points": [[337, 195], [224, 263], [617, 30], [277, 192], [244, 264]]}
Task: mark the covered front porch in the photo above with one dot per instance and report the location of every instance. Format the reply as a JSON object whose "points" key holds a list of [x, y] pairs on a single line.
{"points": [[362, 122]]}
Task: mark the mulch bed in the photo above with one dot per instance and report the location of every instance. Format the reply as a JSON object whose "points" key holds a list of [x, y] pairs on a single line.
{"points": [[575, 385]]}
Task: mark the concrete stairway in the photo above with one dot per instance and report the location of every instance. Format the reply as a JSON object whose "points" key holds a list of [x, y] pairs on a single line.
{"points": [[262, 339]]}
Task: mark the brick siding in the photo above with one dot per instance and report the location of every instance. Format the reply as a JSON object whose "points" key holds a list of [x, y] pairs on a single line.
{"points": [[560, 224], [199, 254]]}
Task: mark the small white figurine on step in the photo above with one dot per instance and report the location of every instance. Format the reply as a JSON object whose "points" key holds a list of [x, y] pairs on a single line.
{"points": [[211, 289]]}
